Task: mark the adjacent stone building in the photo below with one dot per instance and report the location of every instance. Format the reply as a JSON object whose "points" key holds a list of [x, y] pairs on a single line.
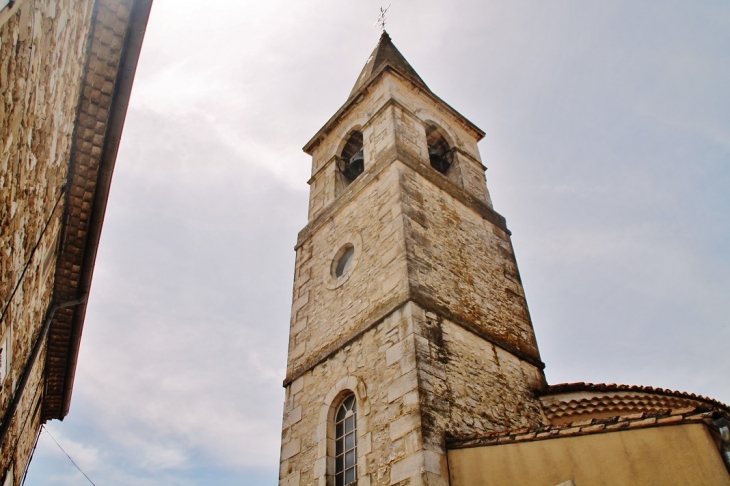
{"points": [[66, 71], [412, 357]]}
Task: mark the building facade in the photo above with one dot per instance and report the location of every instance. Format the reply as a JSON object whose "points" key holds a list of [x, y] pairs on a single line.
{"points": [[411, 339], [66, 71]]}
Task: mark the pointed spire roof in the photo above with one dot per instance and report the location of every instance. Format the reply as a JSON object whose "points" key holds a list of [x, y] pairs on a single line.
{"points": [[385, 56], [385, 52]]}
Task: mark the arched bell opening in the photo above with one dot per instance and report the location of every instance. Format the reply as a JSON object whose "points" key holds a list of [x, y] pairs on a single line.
{"points": [[351, 161], [440, 155]]}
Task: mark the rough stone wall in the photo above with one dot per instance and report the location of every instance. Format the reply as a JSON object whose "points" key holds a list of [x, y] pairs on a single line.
{"points": [[389, 437], [463, 263], [469, 385], [377, 134], [26, 425], [422, 378], [404, 125], [323, 312], [468, 166], [42, 48], [428, 327]]}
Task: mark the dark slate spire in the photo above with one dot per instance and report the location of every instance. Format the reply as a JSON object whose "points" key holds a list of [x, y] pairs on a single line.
{"points": [[386, 52]]}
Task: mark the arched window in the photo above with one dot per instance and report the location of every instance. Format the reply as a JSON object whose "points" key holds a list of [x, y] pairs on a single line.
{"points": [[352, 161], [440, 154], [346, 442]]}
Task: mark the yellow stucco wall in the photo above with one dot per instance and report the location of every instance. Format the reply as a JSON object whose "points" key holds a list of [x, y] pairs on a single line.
{"points": [[683, 455]]}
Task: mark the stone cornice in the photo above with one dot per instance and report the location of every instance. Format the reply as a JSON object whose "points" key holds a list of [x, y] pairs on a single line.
{"points": [[387, 308], [387, 104], [403, 156]]}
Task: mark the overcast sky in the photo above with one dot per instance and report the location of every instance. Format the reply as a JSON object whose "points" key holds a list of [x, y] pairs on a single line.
{"points": [[608, 151]]}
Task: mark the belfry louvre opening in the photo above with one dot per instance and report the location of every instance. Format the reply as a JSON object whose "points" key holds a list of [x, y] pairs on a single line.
{"points": [[351, 162], [440, 155]]}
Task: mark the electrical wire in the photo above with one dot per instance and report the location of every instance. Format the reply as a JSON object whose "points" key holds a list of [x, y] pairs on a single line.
{"points": [[69, 457], [30, 459], [28, 68], [32, 253]]}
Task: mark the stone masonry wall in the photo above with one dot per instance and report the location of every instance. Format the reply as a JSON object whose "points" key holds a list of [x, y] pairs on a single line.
{"points": [[42, 52], [469, 385], [417, 378], [429, 327], [468, 160], [405, 126], [378, 133], [387, 394], [324, 311], [463, 263]]}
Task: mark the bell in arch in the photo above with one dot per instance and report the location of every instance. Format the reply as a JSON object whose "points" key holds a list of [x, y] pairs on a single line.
{"points": [[352, 161]]}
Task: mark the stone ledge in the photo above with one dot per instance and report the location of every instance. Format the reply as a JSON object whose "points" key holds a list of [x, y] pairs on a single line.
{"points": [[386, 309], [392, 155]]}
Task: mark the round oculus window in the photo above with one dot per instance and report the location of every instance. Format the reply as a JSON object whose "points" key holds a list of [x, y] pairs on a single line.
{"points": [[343, 260]]}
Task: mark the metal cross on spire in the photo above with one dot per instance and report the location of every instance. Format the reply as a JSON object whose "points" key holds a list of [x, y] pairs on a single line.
{"points": [[381, 18]]}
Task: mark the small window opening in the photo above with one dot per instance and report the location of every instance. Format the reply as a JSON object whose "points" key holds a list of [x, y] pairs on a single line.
{"points": [[440, 154], [343, 263], [346, 442], [351, 162], [50, 253]]}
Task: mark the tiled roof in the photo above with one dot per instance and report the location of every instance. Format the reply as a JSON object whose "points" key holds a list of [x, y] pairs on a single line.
{"points": [[699, 414], [385, 58], [571, 400], [118, 30]]}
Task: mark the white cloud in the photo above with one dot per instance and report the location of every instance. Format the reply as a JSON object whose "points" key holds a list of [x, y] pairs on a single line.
{"points": [[605, 137]]}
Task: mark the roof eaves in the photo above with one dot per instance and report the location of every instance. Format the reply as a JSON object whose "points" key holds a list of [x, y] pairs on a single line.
{"points": [[89, 180]]}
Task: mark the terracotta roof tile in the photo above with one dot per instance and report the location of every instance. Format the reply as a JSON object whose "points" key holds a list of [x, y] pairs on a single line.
{"points": [[569, 401], [581, 386], [89, 178]]}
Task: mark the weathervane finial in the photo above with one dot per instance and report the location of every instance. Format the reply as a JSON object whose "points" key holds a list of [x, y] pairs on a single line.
{"points": [[381, 18]]}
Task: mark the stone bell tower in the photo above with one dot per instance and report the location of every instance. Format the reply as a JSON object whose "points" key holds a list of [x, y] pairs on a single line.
{"points": [[409, 322]]}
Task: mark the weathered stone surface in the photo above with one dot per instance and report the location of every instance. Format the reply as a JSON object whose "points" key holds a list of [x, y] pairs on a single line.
{"points": [[429, 327], [368, 288], [458, 264], [42, 52], [61, 113]]}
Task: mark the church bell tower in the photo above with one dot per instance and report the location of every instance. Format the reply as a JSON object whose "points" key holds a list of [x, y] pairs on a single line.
{"points": [[409, 323]]}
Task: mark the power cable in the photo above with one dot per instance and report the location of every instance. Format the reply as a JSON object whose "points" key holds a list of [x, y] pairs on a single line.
{"points": [[32, 253], [69, 457]]}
